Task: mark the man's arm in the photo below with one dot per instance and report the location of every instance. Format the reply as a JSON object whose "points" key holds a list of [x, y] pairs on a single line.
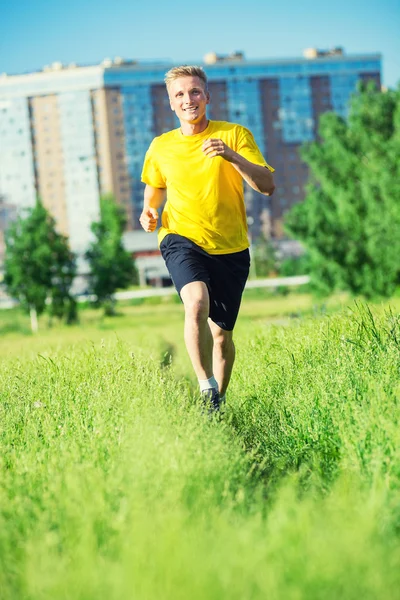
{"points": [[153, 198], [258, 177]]}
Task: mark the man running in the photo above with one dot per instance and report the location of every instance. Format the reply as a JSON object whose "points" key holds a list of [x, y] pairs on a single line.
{"points": [[203, 235]]}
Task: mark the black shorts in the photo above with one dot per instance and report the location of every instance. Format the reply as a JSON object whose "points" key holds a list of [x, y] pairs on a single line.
{"points": [[224, 274]]}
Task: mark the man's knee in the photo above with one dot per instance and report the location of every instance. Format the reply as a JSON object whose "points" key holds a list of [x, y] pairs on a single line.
{"points": [[223, 340], [196, 301], [197, 308]]}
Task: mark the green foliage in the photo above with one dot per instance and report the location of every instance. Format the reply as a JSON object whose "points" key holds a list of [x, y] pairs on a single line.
{"points": [[39, 264], [111, 266], [263, 257], [63, 305], [295, 265], [350, 219]]}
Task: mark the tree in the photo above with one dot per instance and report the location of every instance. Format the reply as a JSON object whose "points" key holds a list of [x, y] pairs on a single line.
{"points": [[294, 265], [350, 219], [63, 304], [111, 266], [38, 263]]}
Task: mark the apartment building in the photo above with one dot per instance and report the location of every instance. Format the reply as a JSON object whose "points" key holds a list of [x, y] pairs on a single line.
{"points": [[71, 133]]}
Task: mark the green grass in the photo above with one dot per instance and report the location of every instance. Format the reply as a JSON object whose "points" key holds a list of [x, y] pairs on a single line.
{"points": [[114, 486]]}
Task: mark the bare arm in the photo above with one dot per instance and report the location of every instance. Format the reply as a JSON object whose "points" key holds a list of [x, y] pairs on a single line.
{"points": [[258, 177], [153, 198]]}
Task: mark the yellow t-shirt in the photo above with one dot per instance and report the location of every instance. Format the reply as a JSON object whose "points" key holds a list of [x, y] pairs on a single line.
{"points": [[205, 201]]}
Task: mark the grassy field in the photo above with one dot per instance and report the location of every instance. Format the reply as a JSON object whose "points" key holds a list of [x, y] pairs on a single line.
{"points": [[114, 485]]}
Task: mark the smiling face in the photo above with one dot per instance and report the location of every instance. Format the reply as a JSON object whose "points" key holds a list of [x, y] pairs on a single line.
{"points": [[189, 99]]}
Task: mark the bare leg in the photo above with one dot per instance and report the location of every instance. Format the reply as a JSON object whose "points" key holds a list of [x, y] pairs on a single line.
{"points": [[223, 355], [197, 334]]}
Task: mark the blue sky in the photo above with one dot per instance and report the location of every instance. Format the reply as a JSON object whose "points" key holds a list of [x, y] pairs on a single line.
{"points": [[37, 32]]}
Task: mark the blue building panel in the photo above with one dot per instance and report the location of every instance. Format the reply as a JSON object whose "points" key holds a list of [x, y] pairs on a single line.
{"points": [[139, 132], [134, 76], [293, 68], [296, 112], [244, 106], [342, 87]]}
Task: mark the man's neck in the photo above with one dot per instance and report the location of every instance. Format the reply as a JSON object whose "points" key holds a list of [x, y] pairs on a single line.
{"points": [[193, 128]]}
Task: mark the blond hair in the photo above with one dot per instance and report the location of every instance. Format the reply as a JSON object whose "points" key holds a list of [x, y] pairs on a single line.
{"points": [[185, 71]]}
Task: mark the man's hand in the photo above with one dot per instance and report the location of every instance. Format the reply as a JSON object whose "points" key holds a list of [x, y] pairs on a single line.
{"points": [[215, 147], [148, 219], [257, 176]]}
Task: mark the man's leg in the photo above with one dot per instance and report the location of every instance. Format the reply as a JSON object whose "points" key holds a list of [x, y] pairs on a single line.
{"points": [[223, 356], [199, 341], [197, 334]]}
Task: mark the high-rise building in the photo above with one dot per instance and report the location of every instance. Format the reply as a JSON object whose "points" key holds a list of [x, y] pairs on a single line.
{"points": [[69, 134]]}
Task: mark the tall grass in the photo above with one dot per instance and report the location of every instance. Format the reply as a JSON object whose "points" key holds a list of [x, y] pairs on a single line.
{"points": [[115, 486], [323, 396]]}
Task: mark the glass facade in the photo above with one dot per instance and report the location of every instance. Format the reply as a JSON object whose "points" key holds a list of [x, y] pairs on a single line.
{"points": [[244, 106], [296, 67], [17, 180], [80, 171], [139, 132], [295, 111], [137, 75], [342, 86]]}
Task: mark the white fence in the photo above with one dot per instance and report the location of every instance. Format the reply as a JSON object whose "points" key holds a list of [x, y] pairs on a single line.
{"points": [[168, 291]]}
